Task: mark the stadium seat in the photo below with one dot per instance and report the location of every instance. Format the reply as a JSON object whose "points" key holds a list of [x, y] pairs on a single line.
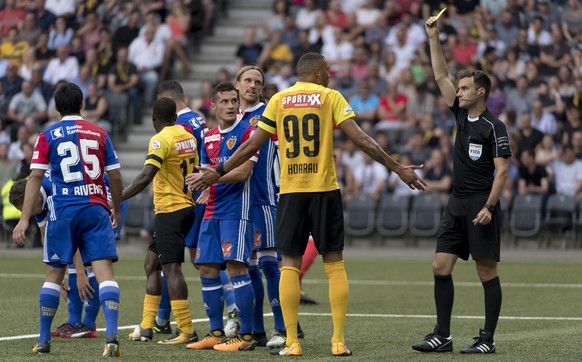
{"points": [[392, 216], [360, 216], [526, 217], [505, 210], [139, 212], [560, 218], [425, 214]]}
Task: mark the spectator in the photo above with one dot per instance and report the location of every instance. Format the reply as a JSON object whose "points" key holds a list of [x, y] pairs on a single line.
{"points": [[573, 124], [536, 34], [344, 82], [105, 55], [15, 151], [360, 64], [13, 49], [7, 166], [398, 187], [404, 52], [90, 31], [335, 15], [96, 70], [284, 78], [443, 118], [179, 22], [39, 85], [276, 20], [125, 34], [351, 155], [27, 106], [10, 16], [367, 14], [529, 137], [42, 54], [389, 70], [249, 51], [493, 8], [62, 67], [497, 98], [84, 78], [572, 21], [307, 15], [546, 152], [77, 49], [147, 56], [365, 105], [64, 8], [525, 51], [60, 34], [377, 84], [163, 32], [344, 175], [44, 18], [438, 175], [533, 178], [370, 178], [421, 101], [464, 49], [96, 107], [11, 82], [549, 14], [291, 33], [274, 53], [413, 33], [339, 52], [29, 32], [322, 33], [567, 172], [23, 167], [542, 120], [415, 146], [305, 46], [521, 98], [392, 108], [577, 144], [123, 83], [555, 55]]}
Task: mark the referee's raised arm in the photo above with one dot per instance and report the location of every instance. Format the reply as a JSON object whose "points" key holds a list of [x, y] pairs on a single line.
{"points": [[439, 65]]}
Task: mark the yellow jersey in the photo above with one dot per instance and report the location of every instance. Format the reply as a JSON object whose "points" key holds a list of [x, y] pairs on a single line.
{"points": [[175, 153], [303, 117]]}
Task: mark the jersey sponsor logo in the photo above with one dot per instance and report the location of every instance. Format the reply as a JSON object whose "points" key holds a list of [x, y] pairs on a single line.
{"points": [[302, 100], [231, 142], [348, 110], [156, 144], [186, 146], [57, 133], [226, 249], [213, 138], [475, 151], [254, 121], [196, 122]]}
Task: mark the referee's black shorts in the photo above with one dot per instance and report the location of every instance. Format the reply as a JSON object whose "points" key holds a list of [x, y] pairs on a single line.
{"points": [[170, 230], [458, 235], [318, 213]]}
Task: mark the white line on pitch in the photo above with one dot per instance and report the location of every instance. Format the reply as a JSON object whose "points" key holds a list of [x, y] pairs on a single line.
{"points": [[350, 315], [351, 282]]}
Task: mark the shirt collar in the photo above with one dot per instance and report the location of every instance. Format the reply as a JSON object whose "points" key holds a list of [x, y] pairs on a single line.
{"points": [[185, 110], [72, 118]]}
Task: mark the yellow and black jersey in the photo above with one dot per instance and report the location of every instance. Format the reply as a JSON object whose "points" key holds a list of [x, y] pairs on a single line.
{"points": [[175, 153], [303, 117]]}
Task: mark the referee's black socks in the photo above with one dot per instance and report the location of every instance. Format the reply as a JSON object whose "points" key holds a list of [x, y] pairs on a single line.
{"points": [[493, 297], [444, 296]]}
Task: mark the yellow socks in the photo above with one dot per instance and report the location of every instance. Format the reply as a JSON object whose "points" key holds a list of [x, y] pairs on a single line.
{"points": [[181, 311], [150, 309], [289, 294], [338, 297]]}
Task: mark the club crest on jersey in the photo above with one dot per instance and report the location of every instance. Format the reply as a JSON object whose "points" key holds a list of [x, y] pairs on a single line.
{"points": [[226, 249], [255, 120], [475, 151], [231, 142], [156, 144], [302, 100], [57, 133]]}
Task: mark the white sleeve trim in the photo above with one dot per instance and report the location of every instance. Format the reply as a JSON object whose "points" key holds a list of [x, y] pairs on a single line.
{"points": [[112, 167], [39, 166]]}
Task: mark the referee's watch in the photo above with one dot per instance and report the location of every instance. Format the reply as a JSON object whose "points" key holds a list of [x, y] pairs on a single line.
{"points": [[490, 207]]}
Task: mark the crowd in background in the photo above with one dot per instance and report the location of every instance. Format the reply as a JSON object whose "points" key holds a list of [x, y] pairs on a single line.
{"points": [[117, 51]]}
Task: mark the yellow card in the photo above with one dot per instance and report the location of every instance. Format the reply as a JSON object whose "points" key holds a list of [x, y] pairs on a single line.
{"points": [[440, 13]]}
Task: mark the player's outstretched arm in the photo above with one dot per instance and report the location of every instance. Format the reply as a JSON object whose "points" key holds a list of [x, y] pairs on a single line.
{"points": [[30, 195], [368, 145], [439, 64], [140, 182]]}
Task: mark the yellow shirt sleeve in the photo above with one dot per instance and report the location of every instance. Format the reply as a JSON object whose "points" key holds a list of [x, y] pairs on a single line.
{"points": [[269, 117], [341, 108], [157, 152]]}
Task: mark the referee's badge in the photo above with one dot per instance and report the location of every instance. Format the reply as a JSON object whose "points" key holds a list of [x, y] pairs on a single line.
{"points": [[475, 151]]}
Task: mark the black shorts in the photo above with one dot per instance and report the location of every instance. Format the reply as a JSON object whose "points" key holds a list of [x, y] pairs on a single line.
{"points": [[169, 236], [318, 213], [459, 236]]}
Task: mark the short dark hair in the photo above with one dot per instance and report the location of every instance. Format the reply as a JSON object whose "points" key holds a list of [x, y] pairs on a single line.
{"points": [[172, 89], [16, 195], [480, 78], [307, 63], [68, 99], [223, 87], [165, 110]]}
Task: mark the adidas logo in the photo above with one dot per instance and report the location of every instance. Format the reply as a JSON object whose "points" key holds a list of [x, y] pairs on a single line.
{"points": [[55, 257], [275, 302], [206, 307], [211, 146]]}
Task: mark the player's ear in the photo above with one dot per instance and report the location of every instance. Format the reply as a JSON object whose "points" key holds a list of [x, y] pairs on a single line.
{"points": [[481, 92]]}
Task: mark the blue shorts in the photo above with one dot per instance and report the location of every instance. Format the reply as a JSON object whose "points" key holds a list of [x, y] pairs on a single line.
{"points": [[264, 217], [223, 240], [192, 237], [88, 229], [123, 207]]}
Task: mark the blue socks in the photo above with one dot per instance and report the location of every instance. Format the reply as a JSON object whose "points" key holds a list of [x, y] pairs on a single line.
{"points": [[213, 303], [49, 302], [245, 300], [228, 291], [92, 306], [74, 305], [270, 268], [259, 290], [109, 297], [165, 308]]}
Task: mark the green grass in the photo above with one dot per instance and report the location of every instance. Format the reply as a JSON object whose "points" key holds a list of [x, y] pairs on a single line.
{"points": [[390, 308]]}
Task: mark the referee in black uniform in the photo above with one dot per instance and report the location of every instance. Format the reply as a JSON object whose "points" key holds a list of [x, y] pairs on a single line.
{"points": [[472, 218]]}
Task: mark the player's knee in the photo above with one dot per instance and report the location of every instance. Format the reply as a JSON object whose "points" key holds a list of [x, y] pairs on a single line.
{"points": [[440, 268]]}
